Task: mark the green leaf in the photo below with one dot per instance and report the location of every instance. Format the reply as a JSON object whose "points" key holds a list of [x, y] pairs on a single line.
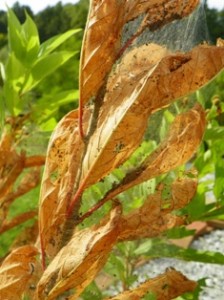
{"points": [[11, 97], [215, 133], [54, 42], [213, 213], [57, 100], [14, 80], [178, 232], [44, 66], [92, 292], [48, 106], [161, 248], [2, 71], [14, 35], [15, 72], [195, 294], [2, 111], [197, 207], [31, 40], [23, 39], [149, 296], [49, 125], [115, 266]]}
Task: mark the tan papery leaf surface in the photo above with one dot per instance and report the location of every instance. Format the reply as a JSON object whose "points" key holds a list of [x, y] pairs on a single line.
{"points": [[147, 79], [102, 39], [15, 272], [159, 12], [76, 265], [62, 165], [182, 141], [182, 191], [120, 113], [150, 220], [177, 148], [167, 286]]}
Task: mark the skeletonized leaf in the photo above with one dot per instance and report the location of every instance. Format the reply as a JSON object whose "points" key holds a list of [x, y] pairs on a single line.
{"points": [[102, 40], [15, 272], [180, 144], [76, 265], [165, 287], [150, 220], [62, 164]]}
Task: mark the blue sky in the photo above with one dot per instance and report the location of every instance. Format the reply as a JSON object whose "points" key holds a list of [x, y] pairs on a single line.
{"points": [[37, 5]]}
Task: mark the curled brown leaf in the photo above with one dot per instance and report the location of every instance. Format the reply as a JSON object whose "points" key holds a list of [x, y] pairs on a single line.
{"points": [[15, 272], [182, 141], [140, 85], [102, 40], [77, 264], [110, 146], [60, 174], [167, 286], [151, 219]]}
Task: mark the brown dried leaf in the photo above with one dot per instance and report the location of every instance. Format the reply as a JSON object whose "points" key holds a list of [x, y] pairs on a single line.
{"points": [[5, 149], [150, 220], [28, 182], [34, 161], [61, 170], [182, 141], [183, 190], [165, 287], [15, 272], [159, 12], [120, 113], [12, 168], [27, 236], [21, 218], [180, 144], [220, 42], [140, 85], [100, 45], [102, 40], [77, 264]]}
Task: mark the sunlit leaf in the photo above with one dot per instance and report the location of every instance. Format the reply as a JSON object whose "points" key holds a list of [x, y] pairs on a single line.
{"points": [[44, 66], [62, 163], [31, 38], [46, 107], [165, 287], [161, 248], [102, 40], [182, 140], [151, 219], [77, 264], [15, 272], [15, 40], [54, 42]]}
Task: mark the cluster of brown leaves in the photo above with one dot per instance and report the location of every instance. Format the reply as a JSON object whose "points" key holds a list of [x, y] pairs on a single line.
{"points": [[12, 166], [120, 87]]}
